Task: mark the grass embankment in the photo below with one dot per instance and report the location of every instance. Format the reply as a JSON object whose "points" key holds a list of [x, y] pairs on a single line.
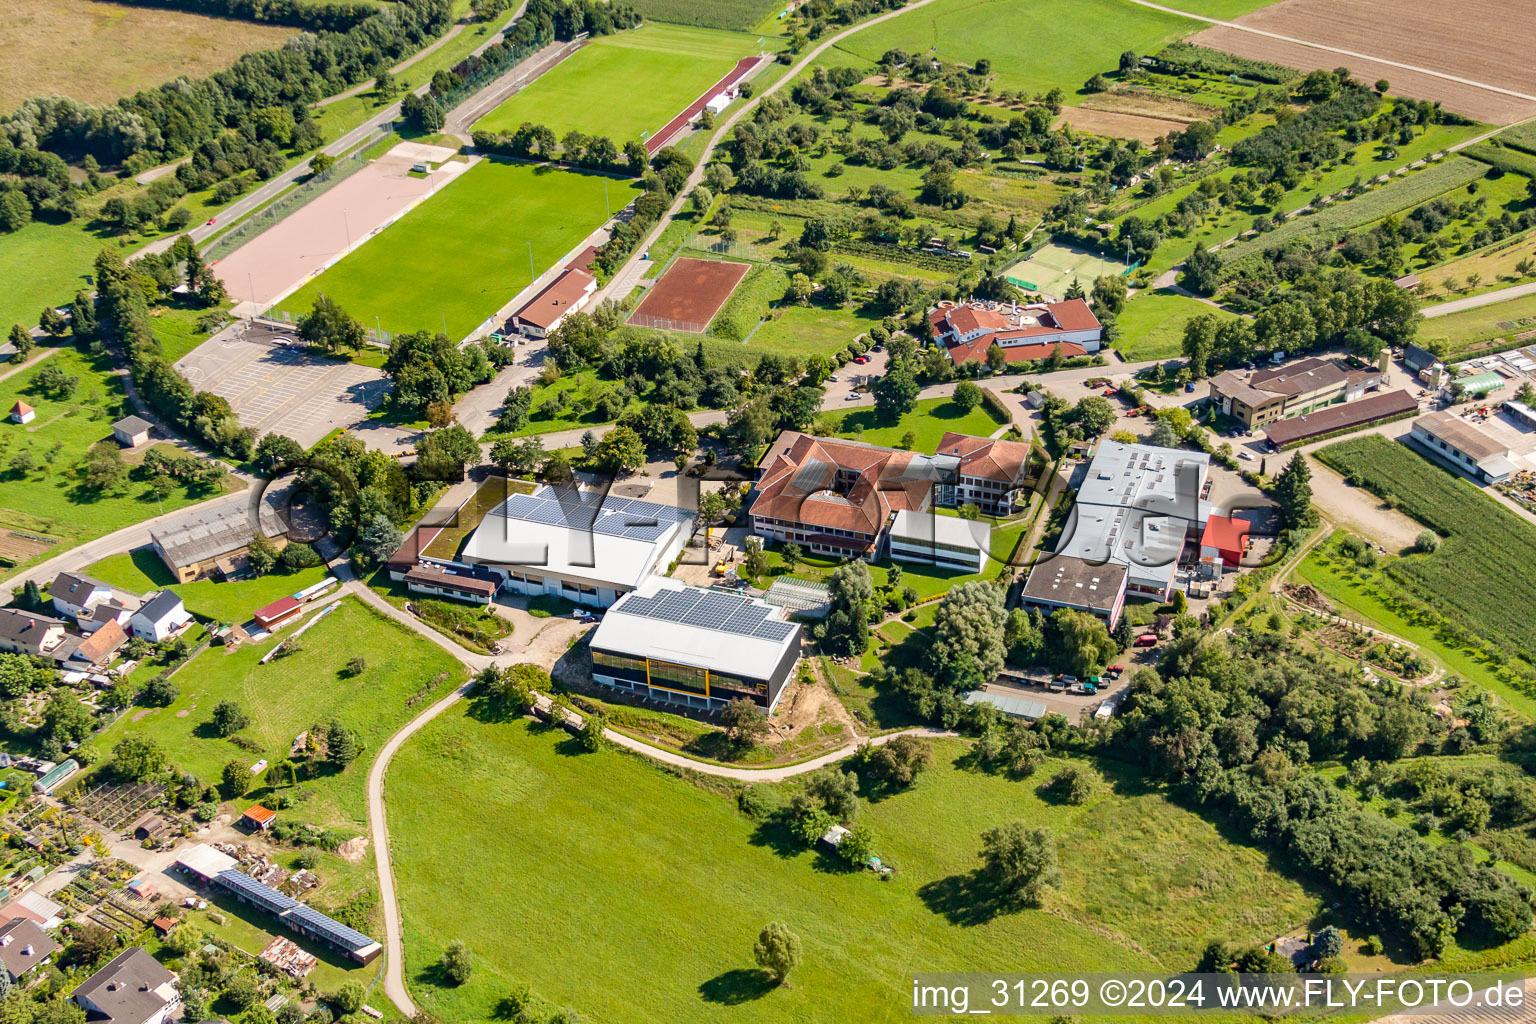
{"points": [[51, 498], [1152, 325], [683, 882], [929, 420]]}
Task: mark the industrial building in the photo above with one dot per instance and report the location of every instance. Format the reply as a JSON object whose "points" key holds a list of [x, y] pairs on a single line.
{"points": [[1338, 419], [1137, 506], [948, 542], [1464, 447], [695, 646], [585, 546], [1065, 581], [1273, 393], [212, 543]]}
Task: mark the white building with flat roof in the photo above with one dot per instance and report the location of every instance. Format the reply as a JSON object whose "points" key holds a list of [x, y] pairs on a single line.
{"points": [[584, 546], [948, 542], [1136, 507]]}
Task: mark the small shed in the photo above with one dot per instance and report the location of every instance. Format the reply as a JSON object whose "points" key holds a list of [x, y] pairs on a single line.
{"points": [[149, 826], [258, 818], [833, 837], [131, 431], [21, 412], [279, 613], [163, 925]]}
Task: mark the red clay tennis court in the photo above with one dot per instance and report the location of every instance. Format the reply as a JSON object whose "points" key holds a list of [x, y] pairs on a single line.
{"points": [[689, 294]]}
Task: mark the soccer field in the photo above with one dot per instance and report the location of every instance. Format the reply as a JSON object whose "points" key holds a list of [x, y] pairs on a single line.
{"points": [[463, 253], [626, 83], [1052, 269]]}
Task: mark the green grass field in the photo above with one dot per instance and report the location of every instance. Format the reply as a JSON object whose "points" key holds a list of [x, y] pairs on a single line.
{"points": [[1467, 329], [1152, 324], [141, 571], [52, 499], [289, 694], [623, 84], [463, 254], [631, 895], [965, 30], [930, 419], [733, 14]]}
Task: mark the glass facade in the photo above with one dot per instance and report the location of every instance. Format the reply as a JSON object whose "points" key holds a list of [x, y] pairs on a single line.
{"points": [[681, 678]]}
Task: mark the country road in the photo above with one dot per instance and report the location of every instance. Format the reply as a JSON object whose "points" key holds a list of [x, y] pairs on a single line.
{"points": [[1475, 301]]}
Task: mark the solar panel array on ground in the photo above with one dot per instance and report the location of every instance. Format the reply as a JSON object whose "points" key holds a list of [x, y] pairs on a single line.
{"points": [[727, 613], [583, 510]]}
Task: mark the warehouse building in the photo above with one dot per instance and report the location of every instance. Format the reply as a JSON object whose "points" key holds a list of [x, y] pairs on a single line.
{"points": [[695, 646], [1340, 419], [1137, 507], [585, 546], [1063, 581], [213, 543], [1464, 447]]}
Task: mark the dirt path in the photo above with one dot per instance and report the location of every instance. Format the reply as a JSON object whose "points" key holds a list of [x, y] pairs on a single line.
{"points": [[1360, 511]]}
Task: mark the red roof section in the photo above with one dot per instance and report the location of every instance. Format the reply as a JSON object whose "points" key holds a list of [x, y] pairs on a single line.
{"points": [[1073, 315], [260, 814], [551, 303], [801, 484], [1225, 534], [976, 350], [987, 459], [277, 609]]}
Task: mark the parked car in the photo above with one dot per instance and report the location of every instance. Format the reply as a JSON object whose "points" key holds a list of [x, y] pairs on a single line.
{"points": [[861, 360], [1110, 391], [1115, 671], [1066, 678], [852, 396], [1189, 387], [833, 379], [1246, 455], [1146, 640]]}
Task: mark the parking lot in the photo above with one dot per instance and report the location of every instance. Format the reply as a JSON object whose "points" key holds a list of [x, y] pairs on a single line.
{"points": [[274, 384]]}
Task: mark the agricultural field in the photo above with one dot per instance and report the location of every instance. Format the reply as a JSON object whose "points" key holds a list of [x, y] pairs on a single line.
{"points": [[1471, 580], [1399, 194], [412, 275], [1451, 39], [930, 419], [41, 491], [1496, 266], [97, 52], [291, 693], [742, 15], [623, 84], [964, 31], [1483, 328], [1146, 885], [1152, 324]]}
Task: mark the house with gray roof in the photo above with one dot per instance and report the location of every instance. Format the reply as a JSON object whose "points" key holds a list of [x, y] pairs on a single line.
{"points": [[159, 616], [132, 989], [24, 946]]}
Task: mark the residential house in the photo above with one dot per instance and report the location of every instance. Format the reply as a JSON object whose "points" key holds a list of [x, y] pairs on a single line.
{"points": [[159, 616], [100, 647], [75, 593], [98, 615], [24, 946], [23, 632], [131, 989]]}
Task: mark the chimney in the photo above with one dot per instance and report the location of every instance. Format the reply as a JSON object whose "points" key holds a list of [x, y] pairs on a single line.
{"points": [[26, 950]]}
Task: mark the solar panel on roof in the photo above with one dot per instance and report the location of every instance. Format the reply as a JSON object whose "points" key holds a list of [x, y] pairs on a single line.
{"points": [[263, 895], [730, 613], [325, 927]]}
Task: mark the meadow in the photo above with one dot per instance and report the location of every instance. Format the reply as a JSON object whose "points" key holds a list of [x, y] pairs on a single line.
{"points": [[1471, 580], [1467, 329], [461, 255], [964, 31], [624, 84], [928, 421], [1152, 324], [97, 52], [551, 841], [51, 498], [293, 692]]}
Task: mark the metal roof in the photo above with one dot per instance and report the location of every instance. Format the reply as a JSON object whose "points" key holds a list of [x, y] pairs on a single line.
{"points": [[666, 621], [208, 533], [1017, 707], [918, 528]]}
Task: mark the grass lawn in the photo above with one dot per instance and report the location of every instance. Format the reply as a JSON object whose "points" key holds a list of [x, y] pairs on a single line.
{"points": [[624, 84], [175, 327], [549, 842], [141, 571], [1152, 324], [805, 331], [1466, 331], [97, 52], [962, 31], [52, 500], [463, 253], [930, 419], [292, 693]]}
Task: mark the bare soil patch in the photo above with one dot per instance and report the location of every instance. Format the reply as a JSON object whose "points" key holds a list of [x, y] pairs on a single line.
{"points": [[1148, 104], [689, 294], [1483, 41], [96, 52], [353, 850], [1116, 125], [1360, 511]]}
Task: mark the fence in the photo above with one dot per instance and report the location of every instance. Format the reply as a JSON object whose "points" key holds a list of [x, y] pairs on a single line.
{"points": [[301, 195], [720, 247], [662, 323]]}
